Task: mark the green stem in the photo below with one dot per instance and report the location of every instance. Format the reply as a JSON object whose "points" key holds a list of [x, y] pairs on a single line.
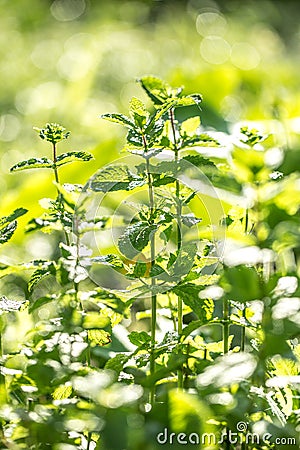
{"points": [[56, 177], [225, 326], [2, 376], [179, 235], [153, 282], [243, 332]]}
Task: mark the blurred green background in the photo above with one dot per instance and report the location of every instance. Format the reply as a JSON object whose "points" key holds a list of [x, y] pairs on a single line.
{"points": [[69, 61]]}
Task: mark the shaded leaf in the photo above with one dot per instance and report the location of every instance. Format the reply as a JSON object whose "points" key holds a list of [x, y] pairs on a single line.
{"points": [[135, 238]]}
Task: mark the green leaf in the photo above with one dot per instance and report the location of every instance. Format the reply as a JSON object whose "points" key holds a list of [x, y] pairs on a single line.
{"points": [[190, 220], [138, 112], [184, 261], [117, 362], [98, 337], [139, 338], [241, 283], [189, 293], [7, 232], [199, 161], [95, 320], [52, 132], [118, 118], [62, 392], [66, 158], [8, 305], [135, 238], [13, 216], [41, 301], [8, 224], [156, 89], [110, 260], [115, 178], [139, 269], [190, 126], [33, 163], [41, 273]]}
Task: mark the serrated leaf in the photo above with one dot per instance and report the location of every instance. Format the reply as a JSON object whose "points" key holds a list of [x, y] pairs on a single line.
{"points": [[189, 293], [190, 220], [135, 238], [66, 158], [7, 232], [110, 260], [98, 337], [139, 338], [184, 261], [62, 392], [118, 118], [115, 178], [199, 161], [117, 362], [138, 112], [155, 88], [13, 216], [139, 269], [39, 274], [33, 163]]}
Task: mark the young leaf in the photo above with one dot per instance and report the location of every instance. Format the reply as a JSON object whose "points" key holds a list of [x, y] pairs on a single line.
{"points": [[139, 338], [69, 157], [33, 163], [156, 89], [98, 337], [135, 238], [138, 112], [118, 118], [53, 132]]}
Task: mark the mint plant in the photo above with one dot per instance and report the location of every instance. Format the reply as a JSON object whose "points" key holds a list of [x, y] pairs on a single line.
{"points": [[199, 336]]}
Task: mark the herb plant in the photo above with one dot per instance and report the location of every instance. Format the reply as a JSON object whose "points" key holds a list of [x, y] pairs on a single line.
{"points": [[195, 342]]}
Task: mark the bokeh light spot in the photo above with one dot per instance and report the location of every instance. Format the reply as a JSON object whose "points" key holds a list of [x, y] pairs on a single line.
{"points": [[245, 56], [65, 10], [209, 23], [215, 50]]}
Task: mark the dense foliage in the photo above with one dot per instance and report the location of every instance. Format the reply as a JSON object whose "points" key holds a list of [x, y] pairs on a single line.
{"points": [[195, 339]]}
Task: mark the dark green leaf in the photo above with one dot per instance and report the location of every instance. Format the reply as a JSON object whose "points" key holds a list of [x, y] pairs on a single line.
{"points": [[135, 238], [33, 163], [7, 232], [69, 157], [190, 295], [241, 283], [139, 338]]}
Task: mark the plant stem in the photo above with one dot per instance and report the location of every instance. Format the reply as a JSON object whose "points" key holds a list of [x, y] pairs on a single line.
{"points": [[153, 282], [59, 196], [179, 235], [243, 332], [225, 326]]}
